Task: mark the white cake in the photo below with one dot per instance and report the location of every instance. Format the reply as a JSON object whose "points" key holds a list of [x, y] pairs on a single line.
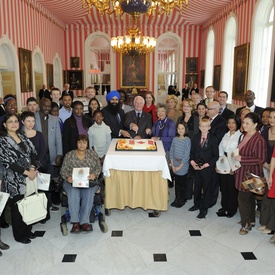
{"points": [[136, 144]]}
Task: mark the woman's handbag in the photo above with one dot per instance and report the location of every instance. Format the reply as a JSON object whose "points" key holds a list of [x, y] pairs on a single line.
{"points": [[33, 208], [254, 183]]}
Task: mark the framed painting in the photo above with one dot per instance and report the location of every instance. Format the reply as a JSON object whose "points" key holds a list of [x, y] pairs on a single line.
{"points": [[190, 79], [191, 65], [273, 84], [216, 77], [25, 65], [133, 71], [202, 79], [74, 62], [49, 68], [65, 75], [241, 57], [75, 79]]}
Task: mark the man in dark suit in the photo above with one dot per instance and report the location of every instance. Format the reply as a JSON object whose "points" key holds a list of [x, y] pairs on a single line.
{"points": [[44, 92], [218, 123], [224, 111], [218, 129], [68, 91], [114, 116], [210, 94], [2, 107], [249, 98], [137, 122]]}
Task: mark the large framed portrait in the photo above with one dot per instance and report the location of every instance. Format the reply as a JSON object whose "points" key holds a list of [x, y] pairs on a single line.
{"points": [[49, 68], [202, 79], [190, 79], [241, 57], [25, 65], [191, 65], [216, 77], [133, 71], [75, 79], [74, 62]]}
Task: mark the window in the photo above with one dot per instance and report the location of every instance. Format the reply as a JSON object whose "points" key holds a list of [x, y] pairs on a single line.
{"points": [[167, 56], [209, 62], [228, 57], [261, 52]]}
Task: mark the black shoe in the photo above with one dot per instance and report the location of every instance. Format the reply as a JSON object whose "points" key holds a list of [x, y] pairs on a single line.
{"points": [[0, 253], [26, 241], [201, 216], [54, 208], [230, 215], [4, 224], [32, 236], [180, 204], [222, 212], [193, 208], [3, 246], [173, 204], [170, 184]]}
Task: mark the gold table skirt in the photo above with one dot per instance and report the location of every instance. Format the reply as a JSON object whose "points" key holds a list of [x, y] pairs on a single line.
{"points": [[147, 190]]}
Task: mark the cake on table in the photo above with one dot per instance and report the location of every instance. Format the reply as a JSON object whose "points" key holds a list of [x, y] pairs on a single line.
{"points": [[136, 144]]}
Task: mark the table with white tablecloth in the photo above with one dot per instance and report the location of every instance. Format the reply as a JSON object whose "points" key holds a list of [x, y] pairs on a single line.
{"points": [[136, 179]]}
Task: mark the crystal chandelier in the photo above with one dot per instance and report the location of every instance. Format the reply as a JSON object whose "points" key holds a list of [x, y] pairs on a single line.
{"points": [[150, 7], [133, 43]]}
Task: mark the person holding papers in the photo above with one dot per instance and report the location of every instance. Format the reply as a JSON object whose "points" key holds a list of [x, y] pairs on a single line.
{"points": [[229, 198], [82, 158]]}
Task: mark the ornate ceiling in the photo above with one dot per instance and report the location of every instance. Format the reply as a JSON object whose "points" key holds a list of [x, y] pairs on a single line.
{"points": [[197, 13]]}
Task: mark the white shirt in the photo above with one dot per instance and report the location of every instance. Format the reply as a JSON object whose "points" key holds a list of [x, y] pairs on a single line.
{"points": [[252, 108], [229, 143]]}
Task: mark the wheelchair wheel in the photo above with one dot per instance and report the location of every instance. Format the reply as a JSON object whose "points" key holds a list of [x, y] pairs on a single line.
{"points": [[156, 213], [103, 227], [64, 229]]}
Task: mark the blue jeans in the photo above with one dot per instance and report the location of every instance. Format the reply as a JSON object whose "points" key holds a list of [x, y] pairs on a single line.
{"points": [[80, 213]]}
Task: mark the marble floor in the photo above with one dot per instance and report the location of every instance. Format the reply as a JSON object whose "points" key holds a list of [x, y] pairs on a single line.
{"points": [[173, 243]]}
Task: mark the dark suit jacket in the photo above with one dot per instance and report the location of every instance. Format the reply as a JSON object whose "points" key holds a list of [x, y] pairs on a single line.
{"points": [[258, 110], [145, 122], [218, 128], [71, 93], [112, 121], [209, 153], [44, 93], [226, 113], [2, 110]]}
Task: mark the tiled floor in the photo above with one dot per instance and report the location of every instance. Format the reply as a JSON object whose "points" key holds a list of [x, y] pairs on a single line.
{"points": [[174, 243]]}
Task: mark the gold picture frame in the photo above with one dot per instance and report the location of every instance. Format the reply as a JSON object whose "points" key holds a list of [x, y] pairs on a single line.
{"points": [[49, 68], [240, 75], [133, 71], [25, 65], [191, 65], [75, 79]]}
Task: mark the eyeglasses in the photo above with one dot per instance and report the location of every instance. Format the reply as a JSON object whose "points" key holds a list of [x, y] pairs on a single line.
{"points": [[10, 122], [211, 109]]}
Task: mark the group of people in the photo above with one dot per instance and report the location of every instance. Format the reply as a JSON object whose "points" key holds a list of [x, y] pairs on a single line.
{"points": [[62, 133]]}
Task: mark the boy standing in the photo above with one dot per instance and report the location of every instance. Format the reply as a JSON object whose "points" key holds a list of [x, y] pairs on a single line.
{"points": [[99, 136], [203, 157]]}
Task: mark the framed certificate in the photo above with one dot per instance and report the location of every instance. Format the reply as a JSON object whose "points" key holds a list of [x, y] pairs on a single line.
{"points": [[80, 177]]}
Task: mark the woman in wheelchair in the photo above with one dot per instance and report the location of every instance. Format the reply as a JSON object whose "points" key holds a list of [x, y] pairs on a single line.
{"points": [[80, 200]]}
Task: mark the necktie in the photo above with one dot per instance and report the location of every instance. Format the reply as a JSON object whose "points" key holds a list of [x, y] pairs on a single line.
{"points": [[138, 118], [202, 142], [118, 118]]}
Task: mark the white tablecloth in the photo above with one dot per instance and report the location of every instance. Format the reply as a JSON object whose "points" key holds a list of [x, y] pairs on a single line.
{"points": [[136, 161]]}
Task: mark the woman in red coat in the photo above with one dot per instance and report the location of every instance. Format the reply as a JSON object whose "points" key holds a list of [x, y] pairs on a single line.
{"points": [[252, 154]]}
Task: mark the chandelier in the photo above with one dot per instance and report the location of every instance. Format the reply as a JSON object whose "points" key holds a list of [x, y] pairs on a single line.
{"points": [[150, 7], [133, 43]]}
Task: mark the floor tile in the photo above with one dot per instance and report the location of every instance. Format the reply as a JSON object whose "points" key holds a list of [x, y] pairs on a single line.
{"points": [[194, 233], [248, 256], [69, 258], [160, 258]]}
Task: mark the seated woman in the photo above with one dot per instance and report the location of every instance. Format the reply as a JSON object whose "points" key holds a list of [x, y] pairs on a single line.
{"points": [[81, 157], [18, 157]]}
